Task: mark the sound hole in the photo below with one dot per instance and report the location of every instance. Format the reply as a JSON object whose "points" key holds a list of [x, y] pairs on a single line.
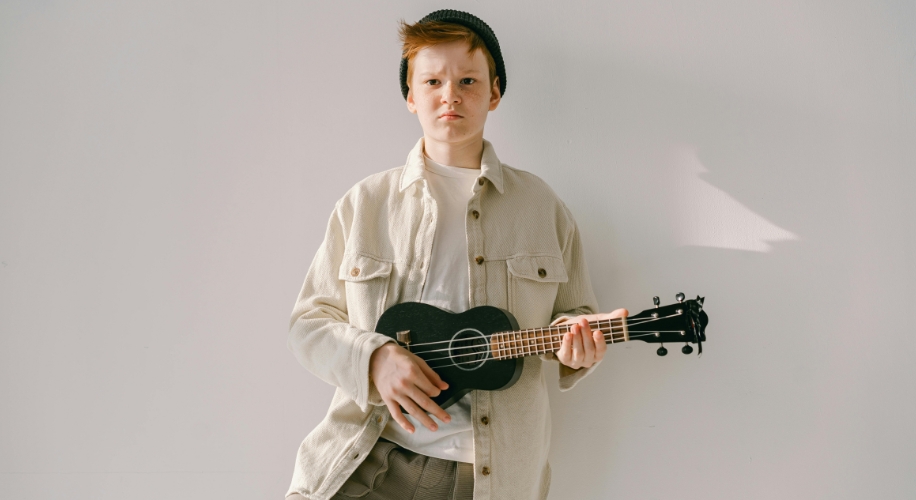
{"points": [[469, 349]]}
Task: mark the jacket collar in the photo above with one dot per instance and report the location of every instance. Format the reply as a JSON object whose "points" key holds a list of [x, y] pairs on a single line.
{"points": [[490, 167]]}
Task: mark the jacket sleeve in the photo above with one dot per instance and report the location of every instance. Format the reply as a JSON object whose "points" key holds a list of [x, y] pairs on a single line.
{"points": [[320, 335], [574, 297]]}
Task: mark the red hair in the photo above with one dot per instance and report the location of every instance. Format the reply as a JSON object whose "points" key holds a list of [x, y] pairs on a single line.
{"points": [[417, 36]]}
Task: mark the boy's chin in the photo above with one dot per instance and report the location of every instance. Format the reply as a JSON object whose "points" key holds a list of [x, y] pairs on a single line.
{"points": [[452, 135]]}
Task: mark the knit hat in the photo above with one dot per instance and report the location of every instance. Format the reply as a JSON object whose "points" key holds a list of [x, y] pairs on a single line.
{"points": [[476, 25]]}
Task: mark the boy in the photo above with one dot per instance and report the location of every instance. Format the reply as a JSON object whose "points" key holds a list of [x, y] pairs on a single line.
{"points": [[454, 228]]}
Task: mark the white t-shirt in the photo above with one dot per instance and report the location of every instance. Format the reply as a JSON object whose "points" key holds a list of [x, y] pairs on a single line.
{"points": [[447, 287]]}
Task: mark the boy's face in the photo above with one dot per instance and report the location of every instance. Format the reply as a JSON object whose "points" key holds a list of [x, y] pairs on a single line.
{"points": [[450, 92]]}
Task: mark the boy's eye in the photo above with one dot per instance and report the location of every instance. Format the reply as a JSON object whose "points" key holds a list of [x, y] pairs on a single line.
{"points": [[467, 81], [432, 82]]}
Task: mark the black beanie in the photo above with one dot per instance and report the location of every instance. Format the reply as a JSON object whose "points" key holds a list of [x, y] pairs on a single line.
{"points": [[476, 25]]}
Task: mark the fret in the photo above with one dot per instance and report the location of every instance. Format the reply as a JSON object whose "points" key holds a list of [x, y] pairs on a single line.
{"points": [[549, 339]]}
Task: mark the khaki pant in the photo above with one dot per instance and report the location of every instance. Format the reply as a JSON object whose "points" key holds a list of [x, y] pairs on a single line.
{"points": [[394, 473]]}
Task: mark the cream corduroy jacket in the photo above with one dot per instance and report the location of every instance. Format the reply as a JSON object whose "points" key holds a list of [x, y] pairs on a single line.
{"points": [[524, 255]]}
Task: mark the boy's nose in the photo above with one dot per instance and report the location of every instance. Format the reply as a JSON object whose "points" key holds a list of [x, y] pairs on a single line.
{"points": [[449, 94]]}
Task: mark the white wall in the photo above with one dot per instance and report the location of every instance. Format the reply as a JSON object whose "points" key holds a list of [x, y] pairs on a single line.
{"points": [[167, 170]]}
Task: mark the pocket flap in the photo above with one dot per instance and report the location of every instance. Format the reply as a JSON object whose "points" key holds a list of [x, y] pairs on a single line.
{"points": [[544, 268], [357, 267]]}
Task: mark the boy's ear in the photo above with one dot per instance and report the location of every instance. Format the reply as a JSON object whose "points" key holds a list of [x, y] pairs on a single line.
{"points": [[411, 105], [494, 94]]}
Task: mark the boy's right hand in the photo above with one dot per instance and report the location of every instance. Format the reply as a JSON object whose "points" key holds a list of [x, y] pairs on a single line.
{"points": [[405, 380]]}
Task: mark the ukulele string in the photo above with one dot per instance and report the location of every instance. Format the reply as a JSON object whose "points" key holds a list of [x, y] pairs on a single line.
{"points": [[520, 348], [488, 356], [525, 344], [594, 325], [522, 343], [529, 342]]}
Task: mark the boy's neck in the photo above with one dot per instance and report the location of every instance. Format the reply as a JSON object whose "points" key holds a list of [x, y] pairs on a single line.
{"points": [[464, 154]]}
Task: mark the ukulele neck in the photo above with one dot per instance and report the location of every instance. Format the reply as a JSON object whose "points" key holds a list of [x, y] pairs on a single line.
{"points": [[535, 341]]}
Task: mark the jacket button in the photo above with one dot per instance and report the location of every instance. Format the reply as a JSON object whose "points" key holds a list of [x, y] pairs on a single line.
{"points": [[379, 419], [479, 259], [354, 271], [484, 420], [480, 181], [485, 471], [541, 272], [476, 214]]}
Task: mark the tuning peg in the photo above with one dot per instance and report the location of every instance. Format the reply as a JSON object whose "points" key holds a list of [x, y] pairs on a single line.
{"points": [[680, 297], [661, 350], [686, 349], [656, 301]]}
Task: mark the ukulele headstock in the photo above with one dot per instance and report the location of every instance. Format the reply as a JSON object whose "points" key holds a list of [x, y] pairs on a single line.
{"points": [[684, 321]]}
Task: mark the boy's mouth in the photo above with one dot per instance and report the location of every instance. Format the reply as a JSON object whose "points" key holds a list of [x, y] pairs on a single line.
{"points": [[450, 115]]}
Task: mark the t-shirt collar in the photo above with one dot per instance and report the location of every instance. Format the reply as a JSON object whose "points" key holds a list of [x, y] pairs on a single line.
{"points": [[490, 167]]}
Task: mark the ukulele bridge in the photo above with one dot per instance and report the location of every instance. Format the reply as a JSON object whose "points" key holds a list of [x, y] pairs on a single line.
{"points": [[404, 338]]}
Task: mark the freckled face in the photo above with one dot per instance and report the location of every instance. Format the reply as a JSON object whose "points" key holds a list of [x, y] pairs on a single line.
{"points": [[450, 92]]}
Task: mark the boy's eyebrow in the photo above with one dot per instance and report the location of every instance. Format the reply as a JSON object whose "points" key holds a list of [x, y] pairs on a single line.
{"points": [[437, 71]]}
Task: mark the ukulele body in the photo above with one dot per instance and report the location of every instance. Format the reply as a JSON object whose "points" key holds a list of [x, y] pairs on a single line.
{"points": [[455, 346]]}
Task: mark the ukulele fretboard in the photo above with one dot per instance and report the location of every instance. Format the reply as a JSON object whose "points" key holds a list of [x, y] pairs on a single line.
{"points": [[535, 341]]}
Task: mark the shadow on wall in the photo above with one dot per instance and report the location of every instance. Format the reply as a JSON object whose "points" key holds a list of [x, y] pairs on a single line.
{"points": [[716, 219]]}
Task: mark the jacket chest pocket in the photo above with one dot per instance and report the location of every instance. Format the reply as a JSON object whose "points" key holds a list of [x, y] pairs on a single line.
{"points": [[533, 284], [367, 281]]}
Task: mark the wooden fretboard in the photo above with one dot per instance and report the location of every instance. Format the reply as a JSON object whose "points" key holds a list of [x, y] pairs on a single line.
{"points": [[535, 341]]}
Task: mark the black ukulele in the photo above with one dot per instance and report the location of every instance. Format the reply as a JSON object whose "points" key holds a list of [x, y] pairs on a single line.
{"points": [[482, 347]]}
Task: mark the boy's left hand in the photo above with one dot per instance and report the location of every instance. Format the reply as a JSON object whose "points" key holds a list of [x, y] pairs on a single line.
{"points": [[581, 347]]}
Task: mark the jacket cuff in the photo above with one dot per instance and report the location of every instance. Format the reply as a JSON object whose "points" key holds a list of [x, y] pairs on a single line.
{"points": [[366, 392], [569, 377]]}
